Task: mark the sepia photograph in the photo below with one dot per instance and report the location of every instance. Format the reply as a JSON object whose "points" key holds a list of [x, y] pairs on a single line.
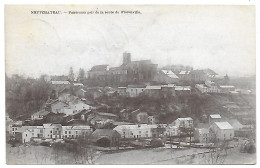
{"points": [[130, 84]]}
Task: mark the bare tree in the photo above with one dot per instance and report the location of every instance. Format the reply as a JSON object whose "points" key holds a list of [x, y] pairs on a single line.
{"points": [[57, 152], [217, 154], [83, 151]]}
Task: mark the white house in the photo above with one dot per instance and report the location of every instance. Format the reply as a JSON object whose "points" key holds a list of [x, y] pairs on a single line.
{"points": [[135, 131], [135, 90], [182, 89], [74, 132], [52, 131], [23, 136], [171, 130], [122, 91], [222, 131], [60, 82], [183, 122]]}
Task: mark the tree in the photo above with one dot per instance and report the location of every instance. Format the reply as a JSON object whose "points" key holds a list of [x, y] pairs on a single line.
{"points": [[83, 152], [215, 156], [71, 75], [82, 75], [25, 95]]}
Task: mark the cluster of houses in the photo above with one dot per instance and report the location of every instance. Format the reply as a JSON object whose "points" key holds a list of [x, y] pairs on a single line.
{"points": [[153, 90], [213, 87], [69, 114], [219, 129]]}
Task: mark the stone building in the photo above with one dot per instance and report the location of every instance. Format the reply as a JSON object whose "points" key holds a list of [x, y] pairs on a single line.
{"points": [[130, 72]]}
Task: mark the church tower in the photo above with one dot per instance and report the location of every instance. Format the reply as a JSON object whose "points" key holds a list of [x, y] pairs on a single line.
{"points": [[126, 58]]}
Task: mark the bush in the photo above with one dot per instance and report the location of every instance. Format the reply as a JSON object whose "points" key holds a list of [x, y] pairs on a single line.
{"points": [[156, 143]]}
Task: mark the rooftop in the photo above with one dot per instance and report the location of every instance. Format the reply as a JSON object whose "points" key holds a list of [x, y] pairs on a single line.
{"points": [[187, 118], [154, 87], [226, 86], [121, 87], [170, 74], [182, 87], [215, 116], [78, 84], [184, 72], [60, 82], [83, 90], [77, 127], [224, 125], [41, 112], [99, 68], [136, 126], [136, 86]]}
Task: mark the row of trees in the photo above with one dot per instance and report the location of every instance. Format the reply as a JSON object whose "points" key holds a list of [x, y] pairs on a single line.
{"points": [[81, 76]]}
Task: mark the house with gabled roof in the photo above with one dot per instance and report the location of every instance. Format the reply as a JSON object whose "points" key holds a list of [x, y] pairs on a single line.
{"points": [[183, 122], [221, 131]]}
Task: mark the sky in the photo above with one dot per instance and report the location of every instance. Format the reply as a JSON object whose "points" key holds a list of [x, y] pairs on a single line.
{"points": [[220, 37]]}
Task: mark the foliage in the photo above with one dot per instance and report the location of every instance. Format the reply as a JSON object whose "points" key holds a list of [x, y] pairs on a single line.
{"points": [[71, 75], [25, 96], [82, 75]]}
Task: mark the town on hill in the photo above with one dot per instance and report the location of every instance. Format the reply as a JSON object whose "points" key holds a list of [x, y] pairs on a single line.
{"points": [[134, 106]]}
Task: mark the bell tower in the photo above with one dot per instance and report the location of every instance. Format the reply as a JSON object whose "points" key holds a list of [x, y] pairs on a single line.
{"points": [[126, 58]]}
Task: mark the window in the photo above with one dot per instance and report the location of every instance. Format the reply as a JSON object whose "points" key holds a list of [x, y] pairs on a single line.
{"points": [[50, 131], [26, 135], [65, 132], [69, 132]]}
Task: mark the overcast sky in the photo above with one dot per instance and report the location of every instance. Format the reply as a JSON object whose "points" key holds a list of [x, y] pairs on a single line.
{"points": [[218, 37]]}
